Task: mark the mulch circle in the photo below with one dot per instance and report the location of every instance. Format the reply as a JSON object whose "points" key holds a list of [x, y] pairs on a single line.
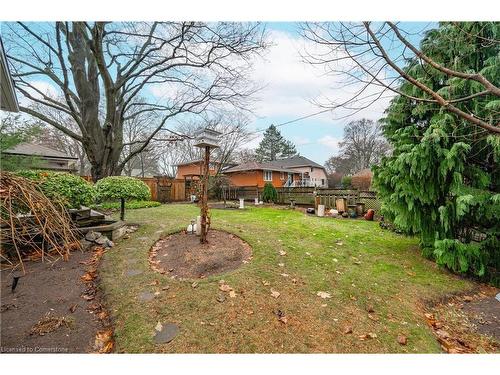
{"points": [[181, 254]]}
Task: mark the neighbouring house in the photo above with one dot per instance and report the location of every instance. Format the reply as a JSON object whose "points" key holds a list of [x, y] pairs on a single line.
{"points": [[43, 157], [311, 173], [296, 171], [362, 180], [193, 170], [8, 99], [258, 174]]}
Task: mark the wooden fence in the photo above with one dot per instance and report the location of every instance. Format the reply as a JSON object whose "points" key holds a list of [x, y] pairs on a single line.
{"points": [[307, 195], [164, 189]]}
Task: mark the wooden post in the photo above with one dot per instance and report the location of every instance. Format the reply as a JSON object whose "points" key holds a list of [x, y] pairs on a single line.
{"points": [[122, 209], [204, 197]]}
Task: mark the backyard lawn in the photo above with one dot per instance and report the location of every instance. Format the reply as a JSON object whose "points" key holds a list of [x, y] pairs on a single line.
{"points": [[377, 281]]}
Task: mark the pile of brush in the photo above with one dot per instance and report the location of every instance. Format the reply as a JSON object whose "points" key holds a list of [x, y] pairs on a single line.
{"points": [[32, 225]]}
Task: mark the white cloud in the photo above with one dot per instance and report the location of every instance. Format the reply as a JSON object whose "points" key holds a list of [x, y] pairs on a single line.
{"points": [[292, 87], [331, 142]]}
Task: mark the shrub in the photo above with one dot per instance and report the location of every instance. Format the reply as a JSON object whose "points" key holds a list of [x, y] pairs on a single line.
{"points": [[346, 181], [121, 188], [269, 194], [130, 205], [69, 189]]}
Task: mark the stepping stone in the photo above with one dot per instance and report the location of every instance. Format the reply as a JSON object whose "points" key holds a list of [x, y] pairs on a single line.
{"points": [[146, 296], [133, 272], [167, 333]]}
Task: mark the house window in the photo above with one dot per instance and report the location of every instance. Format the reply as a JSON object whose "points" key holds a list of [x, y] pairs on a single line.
{"points": [[268, 175], [312, 169], [322, 182]]}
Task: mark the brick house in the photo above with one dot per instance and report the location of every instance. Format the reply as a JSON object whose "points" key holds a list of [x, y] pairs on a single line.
{"points": [[194, 169], [291, 172]]}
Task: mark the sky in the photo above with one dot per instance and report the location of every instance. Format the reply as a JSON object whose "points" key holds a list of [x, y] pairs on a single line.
{"points": [[291, 86]]}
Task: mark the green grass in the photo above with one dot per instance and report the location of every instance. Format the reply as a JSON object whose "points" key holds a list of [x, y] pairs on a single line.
{"points": [[375, 268]]}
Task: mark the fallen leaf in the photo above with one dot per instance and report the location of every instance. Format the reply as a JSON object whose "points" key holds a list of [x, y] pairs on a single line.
{"points": [[284, 274], [265, 283], [195, 284], [370, 308], [367, 336], [232, 294], [88, 277], [335, 260], [442, 334], [72, 308], [467, 298], [347, 330], [104, 341], [283, 319], [402, 339], [282, 253], [225, 288], [158, 326], [281, 264], [373, 317], [324, 295], [275, 293]]}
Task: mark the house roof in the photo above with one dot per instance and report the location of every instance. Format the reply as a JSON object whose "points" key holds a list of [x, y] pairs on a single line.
{"points": [[281, 165], [253, 165], [195, 162], [31, 149], [189, 162], [7, 92], [295, 161]]}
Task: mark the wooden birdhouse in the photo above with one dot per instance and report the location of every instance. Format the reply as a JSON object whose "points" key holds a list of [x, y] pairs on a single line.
{"points": [[207, 138]]}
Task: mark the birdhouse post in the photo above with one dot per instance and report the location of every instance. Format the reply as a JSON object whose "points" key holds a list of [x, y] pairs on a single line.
{"points": [[206, 139]]}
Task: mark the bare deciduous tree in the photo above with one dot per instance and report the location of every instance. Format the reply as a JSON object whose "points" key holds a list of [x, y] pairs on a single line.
{"points": [[101, 68], [371, 58], [362, 146]]}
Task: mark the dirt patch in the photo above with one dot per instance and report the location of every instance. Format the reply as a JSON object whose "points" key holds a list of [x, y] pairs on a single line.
{"points": [[55, 307], [467, 323], [182, 255], [484, 314]]}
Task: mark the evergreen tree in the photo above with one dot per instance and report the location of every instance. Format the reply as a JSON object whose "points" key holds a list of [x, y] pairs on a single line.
{"points": [[442, 180], [274, 146]]}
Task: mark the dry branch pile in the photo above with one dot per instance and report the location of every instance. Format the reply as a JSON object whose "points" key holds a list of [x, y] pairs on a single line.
{"points": [[31, 224]]}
